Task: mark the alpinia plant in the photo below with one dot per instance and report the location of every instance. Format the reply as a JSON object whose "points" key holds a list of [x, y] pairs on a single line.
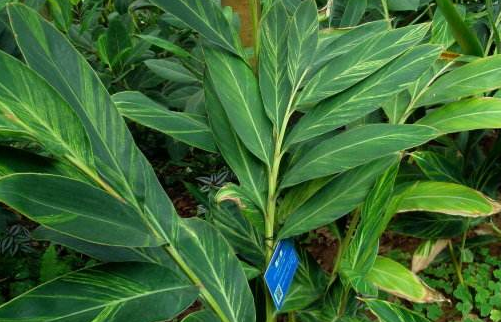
{"points": [[295, 123]]}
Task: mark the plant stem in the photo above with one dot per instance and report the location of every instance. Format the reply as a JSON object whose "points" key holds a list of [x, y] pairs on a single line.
{"points": [[343, 245], [455, 263], [463, 242], [386, 13]]}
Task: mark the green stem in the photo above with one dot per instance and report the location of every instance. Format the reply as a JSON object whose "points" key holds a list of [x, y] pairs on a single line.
{"points": [[455, 263], [343, 246], [463, 242], [386, 13], [255, 8], [495, 32]]}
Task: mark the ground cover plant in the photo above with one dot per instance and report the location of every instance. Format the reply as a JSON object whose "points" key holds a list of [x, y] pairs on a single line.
{"points": [[359, 116]]}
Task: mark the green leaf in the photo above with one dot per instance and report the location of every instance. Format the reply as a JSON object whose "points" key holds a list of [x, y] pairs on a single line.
{"points": [[389, 312], [426, 253], [213, 261], [251, 272], [276, 89], [62, 12], [302, 41], [441, 31], [465, 37], [201, 316], [51, 266], [111, 292], [331, 46], [429, 225], [307, 286], [480, 76], [189, 128], [340, 196], [207, 18], [446, 198], [356, 147], [394, 278], [171, 70], [250, 172], [238, 92], [43, 115], [233, 193], [466, 115], [375, 214], [118, 42], [396, 107], [76, 208], [353, 13], [360, 62], [438, 167], [365, 97], [166, 45], [403, 5]]}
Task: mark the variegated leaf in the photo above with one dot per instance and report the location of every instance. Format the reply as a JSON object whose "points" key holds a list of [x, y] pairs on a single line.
{"points": [[389, 312]]}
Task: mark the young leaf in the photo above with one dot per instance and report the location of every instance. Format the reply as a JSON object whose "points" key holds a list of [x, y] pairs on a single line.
{"points": [[365, 97], [166, 45], [360, 62], [238, 92], [171, 70], [189, 128], [276, 89], [394, 278], [76, 208], [207, 18], [446, 198], [480, 76], [111, 292], [343, 194], [426, 253], [389, 312], [302, 41], [356, 147], [466, 115], [118, 42]]}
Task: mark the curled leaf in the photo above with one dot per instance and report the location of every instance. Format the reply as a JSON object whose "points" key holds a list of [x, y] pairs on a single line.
{"points": [[426, 253]]}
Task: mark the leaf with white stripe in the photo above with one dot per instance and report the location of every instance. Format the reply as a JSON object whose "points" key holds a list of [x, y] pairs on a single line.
{"points": [[480, 76], [447, 198], [356, 147], [360, 62], [276, 89], [76, 208], [302, 41], [207, 18], [366, 96], [111, 292], [238, 90], [189, 128], [389, 312], [466, 115]]}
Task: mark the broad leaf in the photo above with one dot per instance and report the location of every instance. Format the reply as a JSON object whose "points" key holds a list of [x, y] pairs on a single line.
{"points": [[480, 76], [365, 97], [238, 91], [389, 312], [353, 12], [171, 70], [441, 31], [42, 114], [446, 198], [166, 45], [429, 225], [207, 18], [249, 171], [356, 147], [76, 208], [340, 196], [276, 89], [466, 115], [201, 316], [189, 128], [111, 292], [437, 167], [360, 62], [403, 5], [302, 41], [394, 278]]}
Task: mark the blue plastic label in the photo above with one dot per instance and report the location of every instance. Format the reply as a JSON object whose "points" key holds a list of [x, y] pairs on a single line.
{"points": [[281, 271]]}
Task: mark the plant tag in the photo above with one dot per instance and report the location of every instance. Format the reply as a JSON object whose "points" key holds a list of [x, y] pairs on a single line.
{"points": [[281, 271]]}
